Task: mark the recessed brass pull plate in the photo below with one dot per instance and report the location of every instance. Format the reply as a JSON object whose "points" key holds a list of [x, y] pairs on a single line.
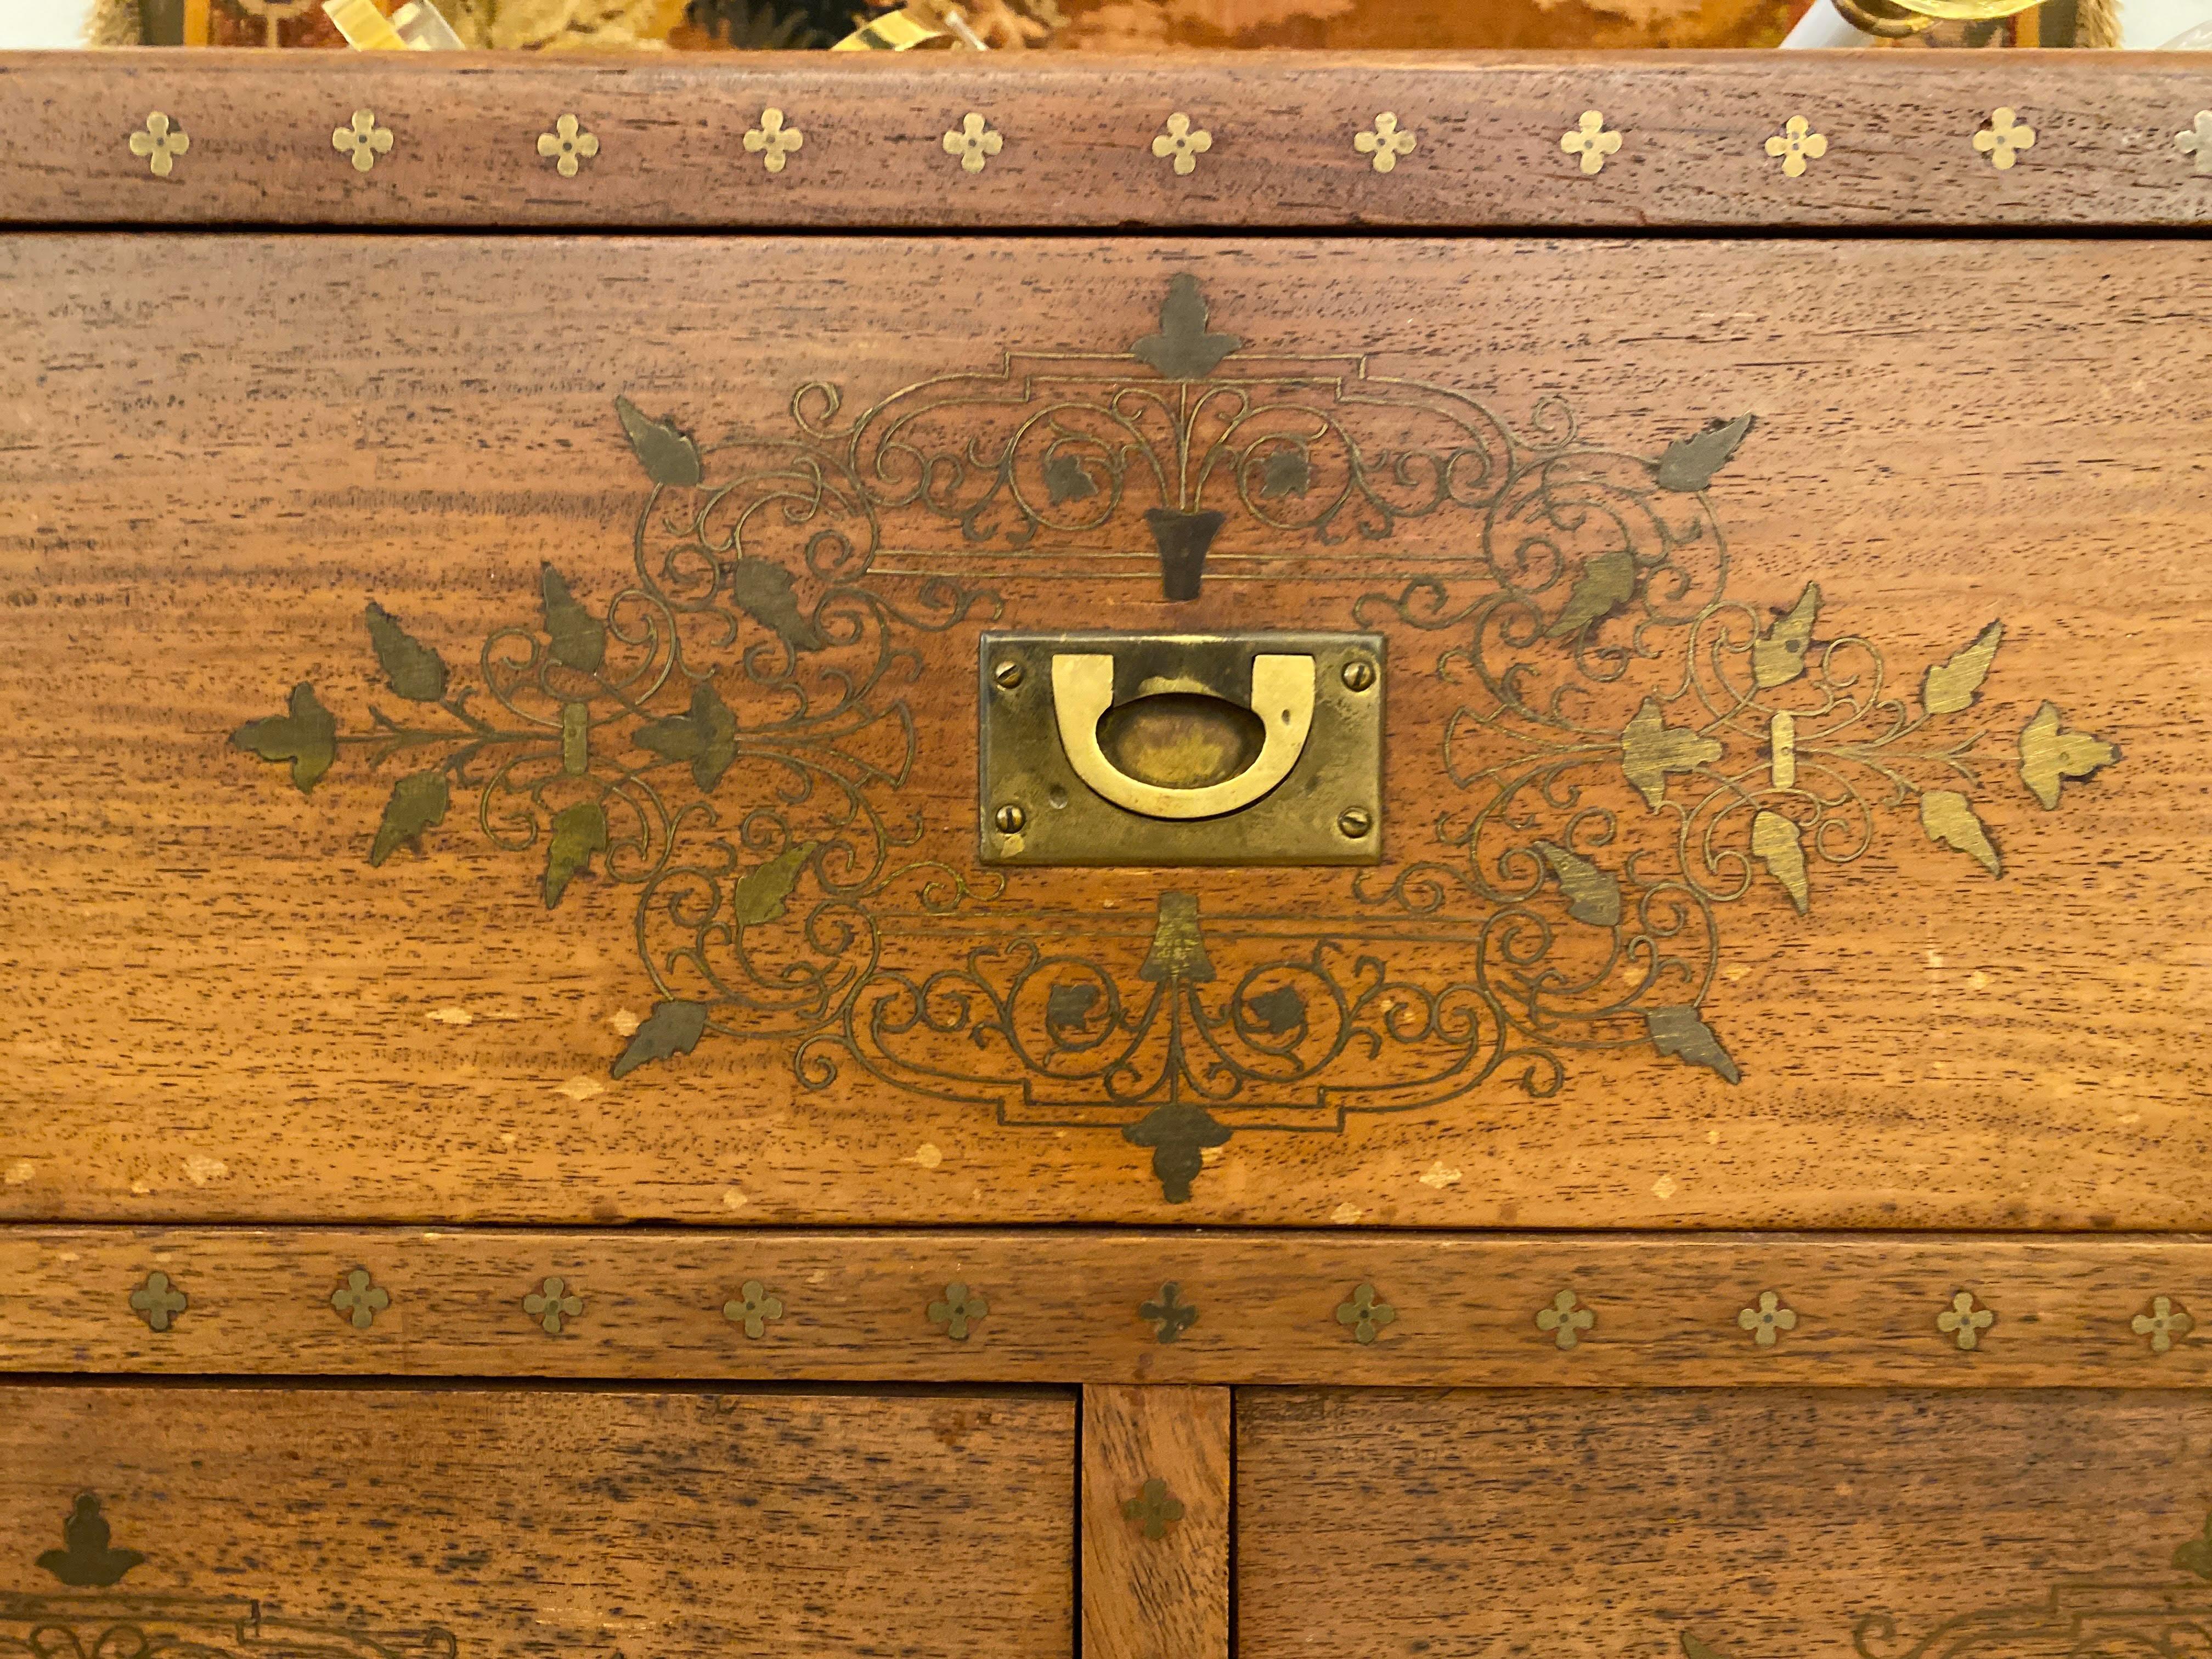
{"points": [[1181, 749]]}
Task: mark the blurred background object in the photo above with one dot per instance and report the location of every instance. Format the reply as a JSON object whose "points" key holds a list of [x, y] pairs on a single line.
{"points": [[1127, 25]]}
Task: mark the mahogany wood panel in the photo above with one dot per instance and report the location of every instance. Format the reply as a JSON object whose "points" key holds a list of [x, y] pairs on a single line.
{"points": [[1086, 1306], [1077, 140], [478, 1522], [225, 453], [1799, 1522], [1155, 1522]]}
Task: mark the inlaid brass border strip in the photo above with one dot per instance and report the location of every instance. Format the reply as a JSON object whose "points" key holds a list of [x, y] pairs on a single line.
{"points": [[1088, 1305]]}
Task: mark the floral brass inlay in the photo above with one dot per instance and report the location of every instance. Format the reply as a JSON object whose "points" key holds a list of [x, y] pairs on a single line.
{"points": [[1386, 143], [974, 141], [87, 1559], [753, 1309], [1183, 143], [2003, 138], [1565, 1321], [361, 141], [552, 1303], [1965, 1321], [1365, 1314], [1154, 1508], [1590, 139], [158, 1301], [569, 146], [360, 1298], [1796, 145], [1169, 1316], [159, 144], [957, 1311], [772, 140], [2050, 755], [1768, 1320], [2196, 140], [2162, 1324], [726, 732]]}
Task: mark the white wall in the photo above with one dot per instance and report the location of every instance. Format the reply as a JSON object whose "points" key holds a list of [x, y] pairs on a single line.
{"points": [[42, 22]]}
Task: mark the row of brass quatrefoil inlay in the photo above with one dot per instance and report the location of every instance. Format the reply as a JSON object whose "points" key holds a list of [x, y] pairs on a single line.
{"points": [[957, 1313], [2001, 138]]}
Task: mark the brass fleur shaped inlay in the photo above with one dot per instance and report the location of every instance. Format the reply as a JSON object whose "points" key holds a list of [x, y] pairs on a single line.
{"points": [[1797, 144], [2196, 139], [2162, 1323], [1965, 1321], [361, 141], [567, 145], [772, 140], [1183, 141], [2003, 137], [1154, 1508], [2050, 755], [1590, 139], [360, 1298], [159, 144], [753, 1309], [1366, 1313], [1386, 143], [956, 1312], [1169, 1315], [1565, 1321], [1768, 1320], [158, 1301], [974, 141], [552, 1303]]}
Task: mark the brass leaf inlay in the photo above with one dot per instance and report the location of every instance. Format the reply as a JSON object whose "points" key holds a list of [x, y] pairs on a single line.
{"points": [[1948, 817], [359, 1299], [1777, 656], [956, 1312], [2049, 754], [1775, 842], [1168, 1315], [1593, 893], [1768, 1320], [1950, 685], [2196, 139], [87, 1559], [1649, 749], [753, 1309], [158, 1301], [551, 1303], [1364, 1315]]}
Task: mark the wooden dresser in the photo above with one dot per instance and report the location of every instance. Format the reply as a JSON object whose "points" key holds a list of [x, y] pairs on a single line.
{"points": [[1356, 857]]}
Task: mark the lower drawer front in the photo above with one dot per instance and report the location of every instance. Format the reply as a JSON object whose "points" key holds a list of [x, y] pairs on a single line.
{"points": [[445, 1523], [1766, 1524]]}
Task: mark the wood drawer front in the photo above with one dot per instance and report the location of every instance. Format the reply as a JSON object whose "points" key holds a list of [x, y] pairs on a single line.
{"points": [[1963, 991], [1774, 1521], [436, 1523]]}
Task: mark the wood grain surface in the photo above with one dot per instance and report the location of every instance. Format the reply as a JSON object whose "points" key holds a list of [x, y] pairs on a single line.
{"points": [[547, 1520], [1077, 136], [1085, 1306], [1800, 1523], [224, 450], [1155, 1581]]}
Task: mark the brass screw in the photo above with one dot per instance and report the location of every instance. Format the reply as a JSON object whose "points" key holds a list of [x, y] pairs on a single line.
{"points": [[1356, 822], [1008, 675], [1010, 819], [1358, 674]]}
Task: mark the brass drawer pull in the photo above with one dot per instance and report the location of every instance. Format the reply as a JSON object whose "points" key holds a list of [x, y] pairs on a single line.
{"points": [[1282, 698]]}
